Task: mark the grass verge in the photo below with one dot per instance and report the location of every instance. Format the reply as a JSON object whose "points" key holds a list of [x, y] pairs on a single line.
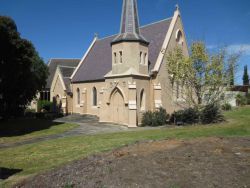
{"points": [[13, 131], [36, 158]]}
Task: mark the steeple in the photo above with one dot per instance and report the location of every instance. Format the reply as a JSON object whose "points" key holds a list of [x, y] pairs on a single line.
{"points": [[130, 29]]}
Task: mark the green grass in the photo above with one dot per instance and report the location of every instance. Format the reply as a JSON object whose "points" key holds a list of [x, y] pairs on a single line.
{"points": [[20, 130], [36, 158]]}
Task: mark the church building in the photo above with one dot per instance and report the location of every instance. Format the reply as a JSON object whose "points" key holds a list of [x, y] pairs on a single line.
{"points": [[122, 76]]}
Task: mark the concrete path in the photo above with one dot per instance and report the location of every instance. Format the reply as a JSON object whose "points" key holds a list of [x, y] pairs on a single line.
{"points": [[88, 125]]}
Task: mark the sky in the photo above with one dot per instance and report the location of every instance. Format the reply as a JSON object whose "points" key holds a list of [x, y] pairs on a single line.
{"points": [[66, 28]]}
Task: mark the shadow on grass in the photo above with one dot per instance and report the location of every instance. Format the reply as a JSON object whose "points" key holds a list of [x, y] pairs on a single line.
{"points": [[5, 173], [19, 127]]}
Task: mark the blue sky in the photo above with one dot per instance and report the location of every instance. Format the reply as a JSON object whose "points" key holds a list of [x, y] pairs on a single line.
{"points": [[65, 28]]}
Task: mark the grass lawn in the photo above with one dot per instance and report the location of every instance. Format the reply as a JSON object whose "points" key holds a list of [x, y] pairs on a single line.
{"points": [[20, 130], [36, 158]]}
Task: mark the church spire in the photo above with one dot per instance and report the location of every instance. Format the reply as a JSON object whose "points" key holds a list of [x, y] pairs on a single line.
{"points": [[130, 30]]}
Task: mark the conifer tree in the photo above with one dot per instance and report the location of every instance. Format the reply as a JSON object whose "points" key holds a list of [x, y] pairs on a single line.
{"points": [[245, 77]]}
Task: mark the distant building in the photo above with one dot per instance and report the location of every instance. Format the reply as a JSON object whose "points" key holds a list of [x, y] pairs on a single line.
{"points": [[63, 68]]}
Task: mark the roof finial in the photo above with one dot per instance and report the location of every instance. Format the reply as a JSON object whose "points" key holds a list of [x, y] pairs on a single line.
{"points": [[177, 7], [96, 35]]}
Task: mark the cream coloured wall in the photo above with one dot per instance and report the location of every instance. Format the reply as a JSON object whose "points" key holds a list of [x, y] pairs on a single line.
{"points": [[168, 95], [86, 106], [131, 58], [57, 89]]}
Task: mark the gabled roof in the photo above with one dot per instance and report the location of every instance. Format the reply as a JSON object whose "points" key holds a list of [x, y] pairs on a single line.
{"points": [[98, 61], [54, 63], [66, 72]]}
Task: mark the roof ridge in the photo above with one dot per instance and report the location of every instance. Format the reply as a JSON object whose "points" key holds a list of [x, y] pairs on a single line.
{"points": [[156, 22], [140, 28]]}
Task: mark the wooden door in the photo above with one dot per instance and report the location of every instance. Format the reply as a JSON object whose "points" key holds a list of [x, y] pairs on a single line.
{"points": [[118, 108]]}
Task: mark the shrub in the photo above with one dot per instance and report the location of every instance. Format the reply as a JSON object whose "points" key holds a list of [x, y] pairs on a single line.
{"points": [[211, 114], [161, 116], [241, 100], [226, 107], [44, 105], [187, 116], [177, 117], [156, 118], [30, 113], [248, 98]]}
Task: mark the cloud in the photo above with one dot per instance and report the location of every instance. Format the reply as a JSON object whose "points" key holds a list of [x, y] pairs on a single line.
{"points": [[234, 48], [245, 48]]}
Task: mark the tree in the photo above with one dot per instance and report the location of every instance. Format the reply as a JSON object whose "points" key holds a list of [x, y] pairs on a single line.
{"points": [[245, 77], [203, 77], [22, 71]]}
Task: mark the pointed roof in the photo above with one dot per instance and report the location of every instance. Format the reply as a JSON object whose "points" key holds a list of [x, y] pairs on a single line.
{"points": [[54, 63], [130, 29], [98, 61]]}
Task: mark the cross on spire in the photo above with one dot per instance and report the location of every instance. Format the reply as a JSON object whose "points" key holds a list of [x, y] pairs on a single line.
{"points": [[130, 29]]}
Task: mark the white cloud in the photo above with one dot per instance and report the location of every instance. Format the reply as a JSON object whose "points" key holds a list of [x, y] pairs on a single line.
{"points": [[234, 48], [245, 48]]}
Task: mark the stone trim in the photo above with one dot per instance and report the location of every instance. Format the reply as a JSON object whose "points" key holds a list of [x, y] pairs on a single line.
{"points": [[158, 103], [132, 105], [166, 41], [157, 86]]}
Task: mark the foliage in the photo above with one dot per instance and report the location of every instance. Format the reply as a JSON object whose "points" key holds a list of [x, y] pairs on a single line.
{"points": [[22, 71], [208, 114], [187, 116], [156, 118], [245, 77], [44, 105], [248, 98], [226, 107], [241, 100], [211, 114], [201, 74]]}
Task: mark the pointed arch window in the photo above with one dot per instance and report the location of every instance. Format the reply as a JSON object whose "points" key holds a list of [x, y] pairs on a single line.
{"points": [[141, 58], [179, 37], [120, 56], [142, 100], [115, 58], [145, 58], [78, 96], [94, 93]]}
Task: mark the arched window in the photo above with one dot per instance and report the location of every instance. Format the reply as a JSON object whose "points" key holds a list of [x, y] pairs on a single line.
{"points": [[145, 58], [141, 58], [142, 100], [94, 92], [179, 37], [120, 56], [115, 58], [78, 96]]}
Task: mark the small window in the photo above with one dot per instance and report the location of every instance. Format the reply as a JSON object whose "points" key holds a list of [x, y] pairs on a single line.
{"points": [[179, 37], [145, 58], [94, 96], [78, 96], [141, 58], [115, 58], [120, 56]]}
